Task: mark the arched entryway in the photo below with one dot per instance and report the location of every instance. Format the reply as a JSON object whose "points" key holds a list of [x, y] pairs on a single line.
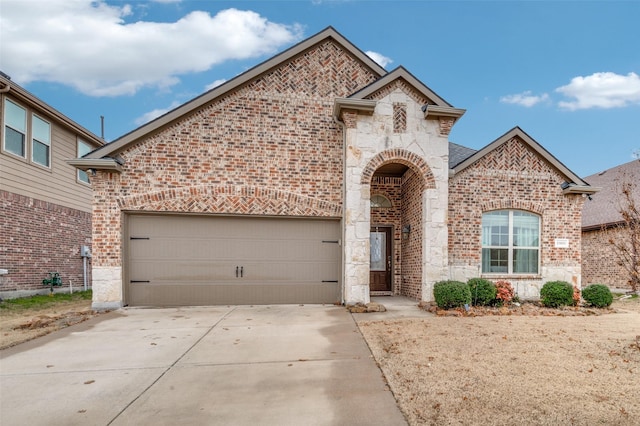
{"points": [[397, 187]]}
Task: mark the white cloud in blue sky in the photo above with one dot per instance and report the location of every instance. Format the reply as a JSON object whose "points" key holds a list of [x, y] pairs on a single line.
{"points": [[88, 45], [152, 115], [525, 99], [601, 90], [379, 58]]}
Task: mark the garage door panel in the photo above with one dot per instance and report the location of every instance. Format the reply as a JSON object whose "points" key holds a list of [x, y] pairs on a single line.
{"points": [[192, 260]]}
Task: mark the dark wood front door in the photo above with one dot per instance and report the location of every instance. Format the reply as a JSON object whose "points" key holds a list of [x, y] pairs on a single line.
{"points": [[380, 258]]}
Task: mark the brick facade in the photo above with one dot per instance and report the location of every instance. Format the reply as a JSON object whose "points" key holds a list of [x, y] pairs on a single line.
{"points": [[514, 177], [39, 237], [599, 261], [314, 135]]}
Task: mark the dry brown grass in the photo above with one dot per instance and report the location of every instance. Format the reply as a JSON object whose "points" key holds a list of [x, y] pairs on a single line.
{"points": [[504, 370]]}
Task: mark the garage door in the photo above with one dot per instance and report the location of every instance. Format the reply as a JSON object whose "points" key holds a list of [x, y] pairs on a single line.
{"points": [[176, 260]]}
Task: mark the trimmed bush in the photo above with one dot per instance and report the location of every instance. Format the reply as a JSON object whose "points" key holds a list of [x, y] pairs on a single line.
{"points": [[597, 295], [451, 294], [483, 292], [556, 293]]}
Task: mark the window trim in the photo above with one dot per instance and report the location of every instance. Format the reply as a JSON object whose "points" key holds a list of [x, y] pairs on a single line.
{"points": [[78, 155], [26, 130], [28, 135], [34, 140], [510, 247]]}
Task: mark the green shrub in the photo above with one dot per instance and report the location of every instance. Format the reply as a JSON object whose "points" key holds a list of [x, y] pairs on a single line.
{"points": [[483, 292], [597, 295], [451, 294], [556, 293]]}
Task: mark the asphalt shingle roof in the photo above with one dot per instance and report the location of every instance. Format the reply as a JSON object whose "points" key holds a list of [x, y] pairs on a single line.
{"points": [[603, 208], [458, 153]]}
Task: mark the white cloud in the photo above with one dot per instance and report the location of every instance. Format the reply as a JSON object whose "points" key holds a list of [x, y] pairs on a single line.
{"points": [[601, 90], [215, 84], [381, 60], [151, 115], [525, 99], [87, 44]]}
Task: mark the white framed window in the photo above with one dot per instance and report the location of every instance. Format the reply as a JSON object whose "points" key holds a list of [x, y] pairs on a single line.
{"points": [[510, 242], [40, 141], [83, 149], [15, 129]]}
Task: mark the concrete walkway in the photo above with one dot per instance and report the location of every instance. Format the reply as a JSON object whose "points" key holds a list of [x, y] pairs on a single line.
{"points": [[238, 365]]}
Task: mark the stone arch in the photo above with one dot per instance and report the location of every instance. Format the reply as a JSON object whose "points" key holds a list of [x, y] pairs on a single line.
{"points": [[401, 156], [230, 199]]}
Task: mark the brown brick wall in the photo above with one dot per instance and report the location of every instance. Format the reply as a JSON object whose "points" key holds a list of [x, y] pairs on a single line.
{"points": [[39, 237], [412, 188], [513, 177], [269, 147], [599, 261]]}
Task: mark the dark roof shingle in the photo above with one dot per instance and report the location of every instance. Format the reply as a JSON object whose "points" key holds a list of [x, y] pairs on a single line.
{"points": [[603, 208]]}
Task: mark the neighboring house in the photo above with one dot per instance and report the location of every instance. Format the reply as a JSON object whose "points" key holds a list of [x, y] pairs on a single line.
{"points": [[45, 204], [319, 177], [602, 221]]}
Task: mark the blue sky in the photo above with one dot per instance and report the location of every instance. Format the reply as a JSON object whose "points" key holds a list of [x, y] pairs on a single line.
{"points": [[567, 72]]}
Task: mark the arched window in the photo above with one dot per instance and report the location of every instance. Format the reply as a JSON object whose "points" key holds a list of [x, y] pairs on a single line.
{"points": [[380, 202], [510, 242]]}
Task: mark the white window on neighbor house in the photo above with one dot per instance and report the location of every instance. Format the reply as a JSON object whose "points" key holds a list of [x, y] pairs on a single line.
{"points": [[83, 149], [15, 129], [510, 242], [40, 141]]}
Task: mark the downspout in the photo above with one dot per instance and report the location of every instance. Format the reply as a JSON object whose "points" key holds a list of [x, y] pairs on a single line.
{"points": [[6, 88]]}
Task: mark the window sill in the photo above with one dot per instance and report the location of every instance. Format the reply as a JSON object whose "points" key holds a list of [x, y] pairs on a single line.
{"points": [[499, 276]]}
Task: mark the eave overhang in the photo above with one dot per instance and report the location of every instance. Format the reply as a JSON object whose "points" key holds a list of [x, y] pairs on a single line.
{"points": [[572, 188], [106, 164], [436, 111], [366, 106]]}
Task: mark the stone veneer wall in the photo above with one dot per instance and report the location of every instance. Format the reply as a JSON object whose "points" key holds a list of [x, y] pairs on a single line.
{"points": [[384, 138], [269, 147], [514, 177], [39, 237], [599, 261]]}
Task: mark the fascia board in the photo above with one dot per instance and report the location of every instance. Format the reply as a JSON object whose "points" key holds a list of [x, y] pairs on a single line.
{"points": [[517, 131], [96, 163], [233, 84], [397, 73], [22, 95], [360, 105]]}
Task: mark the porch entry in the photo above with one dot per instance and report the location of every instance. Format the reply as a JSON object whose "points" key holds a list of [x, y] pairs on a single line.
{"points": [[380, 243]]}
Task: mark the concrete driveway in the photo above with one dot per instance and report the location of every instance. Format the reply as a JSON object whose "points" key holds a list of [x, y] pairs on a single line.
{"points": [[237, 365]]}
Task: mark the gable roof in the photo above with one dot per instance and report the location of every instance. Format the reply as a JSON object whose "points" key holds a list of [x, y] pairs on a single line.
{"points": [[400, 72], [20, 94], [264, 67], [358, 100], [574, 183], [602, 209]]}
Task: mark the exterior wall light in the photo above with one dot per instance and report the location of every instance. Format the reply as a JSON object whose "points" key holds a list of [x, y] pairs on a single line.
{"points": [[406, 230]]}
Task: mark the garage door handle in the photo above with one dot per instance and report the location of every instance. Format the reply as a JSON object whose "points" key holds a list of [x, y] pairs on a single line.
{"points": [[241, 271], [329, 281], [237, 271]]}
